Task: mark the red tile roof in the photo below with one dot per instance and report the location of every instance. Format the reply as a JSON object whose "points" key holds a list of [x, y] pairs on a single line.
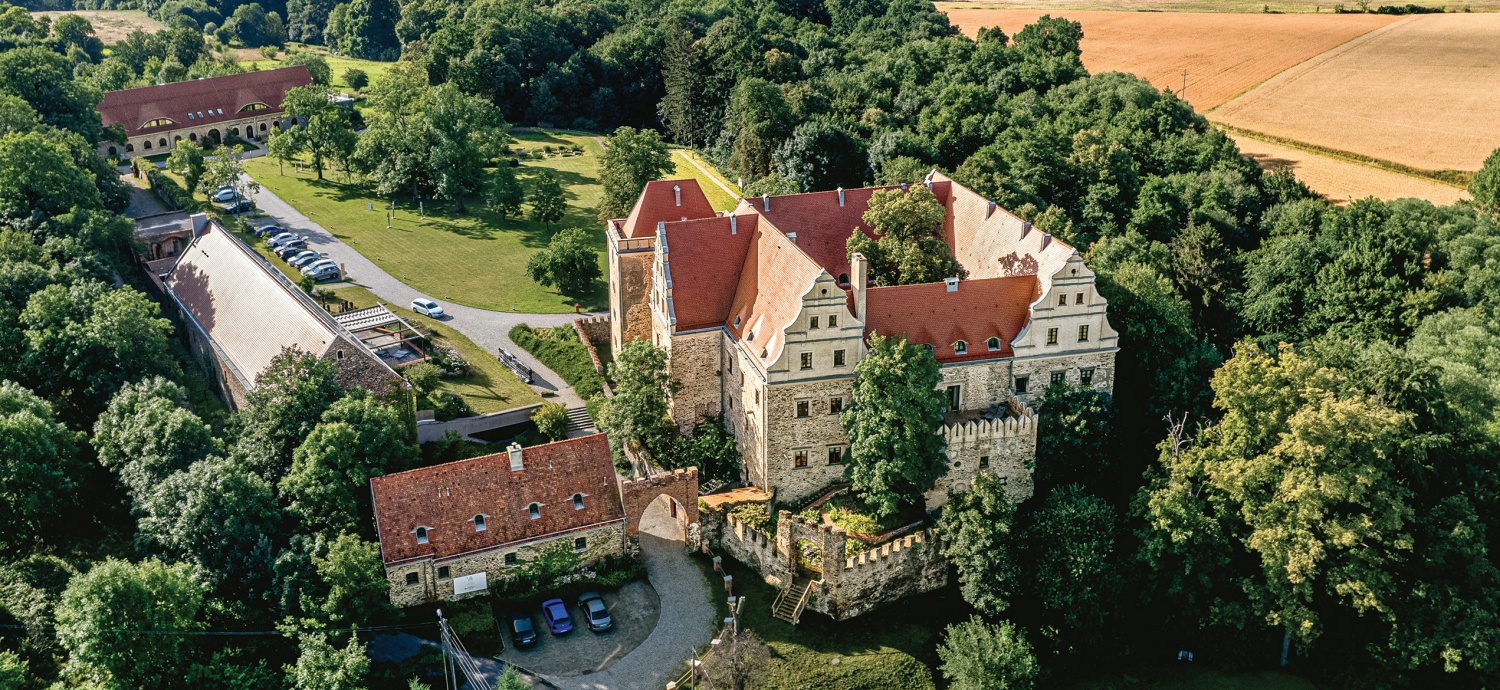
{"points": [[658, 202], [445, 499], [776, 274], [132, 108], [705, 257], [823, 226], [977, 311]]}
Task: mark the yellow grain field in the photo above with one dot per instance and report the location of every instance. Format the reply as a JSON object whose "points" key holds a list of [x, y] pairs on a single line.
{"points": [[112, 26], [1423, 92], [1342, 181]]}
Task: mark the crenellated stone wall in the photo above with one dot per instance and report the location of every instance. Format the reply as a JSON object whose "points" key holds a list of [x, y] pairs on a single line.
{"points": [[1004, 447], [753, 548], [900, 568]]}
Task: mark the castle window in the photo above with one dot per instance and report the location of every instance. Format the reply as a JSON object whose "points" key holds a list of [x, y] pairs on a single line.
{"points": [[577, 501], [1062, 300], [757, 396], [984, 461], [1052, 336], [129, 148], [510, 560], [479, 525], [799, 458], [812, 322], [581, 544], [411, 579], [838, 356], [1086, 376], [1021, 382], [803, 408], [535, 510], [960, 348], [992, 344], [1083, 333], [836, 405], [340, 354], [807, 360], [835, 455], [1059, 377], [443, 572], [146, 144], [1078, 298], [833, 320], [953, 398], [421, 535]]}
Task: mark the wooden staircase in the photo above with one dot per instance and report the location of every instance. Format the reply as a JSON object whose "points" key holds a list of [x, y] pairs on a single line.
{"points": [[789, 604]]}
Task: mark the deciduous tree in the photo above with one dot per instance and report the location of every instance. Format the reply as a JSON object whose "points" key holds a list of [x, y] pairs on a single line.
{"points": [[328, 483], [289, 399], [322, 666], [218, 516], [355, 581], [506, 193], [147, 433], [570, 263], [979, 539], [631, 159], [982, 656], [1072, 570], [548, 201], [322, 127], [637, 416], [895, 449], [105, 612], [909, 246], [39, 463]]}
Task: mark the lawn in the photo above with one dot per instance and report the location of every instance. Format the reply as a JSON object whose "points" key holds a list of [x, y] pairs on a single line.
{"points": [[337, 64], [717, 197], [563, 352], [477, 258]]}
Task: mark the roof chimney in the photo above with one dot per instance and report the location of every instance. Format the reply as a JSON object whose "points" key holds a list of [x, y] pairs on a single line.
{"points": [[792, 236], [734, 225], [841, 197], [515, 457], [952, 283], [765, 202], [860, 267], [677, 193]]}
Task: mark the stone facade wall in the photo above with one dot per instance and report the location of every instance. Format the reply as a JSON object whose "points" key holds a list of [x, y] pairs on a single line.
{"points": [[754, 548], [605, 540], [981, 385], [1039, 372], [907, 566], [1005, 448], [787, 435], [593, 330], [256, 127], [745, 412], [629, 297], [694, 362]]}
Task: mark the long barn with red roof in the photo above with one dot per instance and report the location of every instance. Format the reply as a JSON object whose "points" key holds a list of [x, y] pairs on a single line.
{"points": [[765, 314], [206, 111]]}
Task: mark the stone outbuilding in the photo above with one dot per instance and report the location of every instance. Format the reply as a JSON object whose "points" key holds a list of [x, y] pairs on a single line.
{"points": [[455, 529], [204, 111]]}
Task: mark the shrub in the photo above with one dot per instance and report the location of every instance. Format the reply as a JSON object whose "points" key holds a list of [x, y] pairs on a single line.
{"points": [[551, 420], [171, 194], [449, 360], [447, 406], [754, 515], [560, 349], [268, 52], [423, 377], [356, 78]]}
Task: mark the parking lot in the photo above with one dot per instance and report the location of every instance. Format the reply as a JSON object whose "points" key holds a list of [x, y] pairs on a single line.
{"points": [[635, 609]]}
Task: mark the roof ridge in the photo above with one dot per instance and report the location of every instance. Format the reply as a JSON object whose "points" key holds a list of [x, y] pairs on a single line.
{"points": [[488, 456]]}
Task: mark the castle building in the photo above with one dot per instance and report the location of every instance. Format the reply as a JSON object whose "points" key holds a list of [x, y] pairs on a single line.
{"points": [[764, 316], [205, 111]]}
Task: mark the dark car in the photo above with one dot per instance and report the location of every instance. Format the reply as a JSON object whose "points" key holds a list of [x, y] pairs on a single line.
{"points": [[521, 629], [241, 206], [556, 613], [291, 249], [269, 231], [594, 612]]}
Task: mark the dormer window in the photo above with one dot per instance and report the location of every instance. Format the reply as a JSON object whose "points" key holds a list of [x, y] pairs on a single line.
{"points": [[992, 344], [961, 348], [535, 510], [479, 523], [577, 501], [190, 116], [421, 535]]}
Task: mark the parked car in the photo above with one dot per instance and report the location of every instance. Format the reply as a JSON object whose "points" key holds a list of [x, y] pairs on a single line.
{"points": [[225, 194], [521, 629], [241, 206], [269, 230], [556, 613], [302, 258], [324, 272], [277, 240], [427, 307], [317, 265], [594, 612], [290, 249]]}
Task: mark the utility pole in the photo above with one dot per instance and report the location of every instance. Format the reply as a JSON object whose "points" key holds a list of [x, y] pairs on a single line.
{"points": [[1183, 95]]}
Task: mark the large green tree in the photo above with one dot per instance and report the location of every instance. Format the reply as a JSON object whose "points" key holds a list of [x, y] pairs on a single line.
{"points": [[39, 466], [637, 417], [328, 483], [1072, 569], [39, 175], [631, 159], [218, 516], [982, 656], [908, 246], [104, 614], [44, 79], [323, 129], [1485, 187], [147, 433], [355, 581], [322, 666], [570, 263], [369, 29], [289, 399], [896, 452], [978, 528], [548, 200]]}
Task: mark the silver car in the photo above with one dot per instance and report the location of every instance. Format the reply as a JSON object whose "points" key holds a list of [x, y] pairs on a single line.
{"points": [[317, 265], [325, 272], [303, 258]]}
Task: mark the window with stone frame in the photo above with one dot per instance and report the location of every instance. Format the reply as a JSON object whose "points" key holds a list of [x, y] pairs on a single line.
{"points": [[955, 398], [984, 461], [1078, 298], [443, 572], [1083, 333], [1021, 383], [1086, 376], [835, 455], [799, 458], [581, 544], [838, 358], [577, 501], [806, 360], [812, 323], [833, 320], [1062, 300], [960, 347], [836, 405], [1059, 377], [512, 560], [804, 408], [478, 521], [411, 579], [992, 344], [1052, 336]]}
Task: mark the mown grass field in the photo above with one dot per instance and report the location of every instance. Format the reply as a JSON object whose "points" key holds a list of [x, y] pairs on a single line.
{"points": [[717, 197], [112, 26], [475, 258], [337, 64]]}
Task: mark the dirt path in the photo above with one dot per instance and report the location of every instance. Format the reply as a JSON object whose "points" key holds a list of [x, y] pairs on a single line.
{"points": [[712, 177]]}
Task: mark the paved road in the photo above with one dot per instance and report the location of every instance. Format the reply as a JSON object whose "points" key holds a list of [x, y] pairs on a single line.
{"points": [[687, 614], [488, 329]]}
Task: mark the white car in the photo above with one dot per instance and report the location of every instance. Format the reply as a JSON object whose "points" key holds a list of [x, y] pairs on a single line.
{"points": [[318, 265], [324, 272], [225, 195], [422, 305], [281, 239]]}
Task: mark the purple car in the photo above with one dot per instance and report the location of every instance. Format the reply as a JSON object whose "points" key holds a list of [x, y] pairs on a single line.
{"points": [[556, 614]]}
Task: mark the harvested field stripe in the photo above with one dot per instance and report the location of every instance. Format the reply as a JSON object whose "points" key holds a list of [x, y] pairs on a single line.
{"points": [[1341, 181], [1453, 178]]}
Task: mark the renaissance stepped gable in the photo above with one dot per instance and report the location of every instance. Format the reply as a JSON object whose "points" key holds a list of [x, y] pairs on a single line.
{"points": [[764, 316]]}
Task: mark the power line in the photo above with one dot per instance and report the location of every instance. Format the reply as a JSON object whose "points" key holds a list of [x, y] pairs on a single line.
{"points": [[239, 633]]}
